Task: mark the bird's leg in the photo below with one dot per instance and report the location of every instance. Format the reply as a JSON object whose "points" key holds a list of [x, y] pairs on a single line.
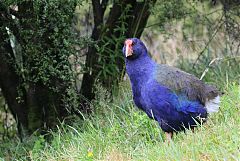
{"points": [[192, 128], [169, 136]]}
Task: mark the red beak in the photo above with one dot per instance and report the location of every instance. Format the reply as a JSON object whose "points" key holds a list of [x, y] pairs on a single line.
{"points": [[129, 50]]}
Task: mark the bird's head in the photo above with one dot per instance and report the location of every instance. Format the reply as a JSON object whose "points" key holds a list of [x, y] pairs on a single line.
{"points": [[134, 48]]}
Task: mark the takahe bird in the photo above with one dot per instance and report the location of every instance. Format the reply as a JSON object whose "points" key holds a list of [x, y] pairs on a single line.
{"points": [[174, 98]]}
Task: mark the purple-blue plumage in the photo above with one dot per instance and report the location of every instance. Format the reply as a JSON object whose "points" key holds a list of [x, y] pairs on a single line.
{"points": [[170, 96]]}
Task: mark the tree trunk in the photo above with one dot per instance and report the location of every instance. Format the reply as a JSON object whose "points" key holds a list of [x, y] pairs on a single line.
{"points": [[10, 83]]}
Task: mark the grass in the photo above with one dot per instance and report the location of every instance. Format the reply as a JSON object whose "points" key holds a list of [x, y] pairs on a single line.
{"points": [[118, 131]]}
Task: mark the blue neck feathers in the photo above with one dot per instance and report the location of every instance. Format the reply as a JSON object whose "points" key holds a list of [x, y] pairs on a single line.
{"points": [[140, 69]]}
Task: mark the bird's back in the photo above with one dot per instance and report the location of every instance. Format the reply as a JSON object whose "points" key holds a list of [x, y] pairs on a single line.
{"points": [[181, 82]]}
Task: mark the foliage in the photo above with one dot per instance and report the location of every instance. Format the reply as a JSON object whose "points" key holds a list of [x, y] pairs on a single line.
{"points": [[49, 42], [38, 41], [119, 131], [109, 63]]}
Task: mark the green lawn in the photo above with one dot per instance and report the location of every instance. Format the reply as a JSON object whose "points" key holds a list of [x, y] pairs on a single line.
{"points": [[119, 131]]}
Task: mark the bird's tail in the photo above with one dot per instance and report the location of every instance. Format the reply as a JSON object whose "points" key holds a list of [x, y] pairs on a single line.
{"points": [[213, 105]]}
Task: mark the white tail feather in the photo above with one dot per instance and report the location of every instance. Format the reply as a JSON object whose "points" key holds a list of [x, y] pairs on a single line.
{"points": [[213, 105]]}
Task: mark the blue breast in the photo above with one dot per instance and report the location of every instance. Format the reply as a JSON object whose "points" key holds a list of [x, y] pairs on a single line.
{"points": [[174, 112]]}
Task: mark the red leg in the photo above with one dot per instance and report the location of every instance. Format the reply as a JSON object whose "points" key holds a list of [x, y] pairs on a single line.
{"points": [[192, 129], [169, 136]]}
